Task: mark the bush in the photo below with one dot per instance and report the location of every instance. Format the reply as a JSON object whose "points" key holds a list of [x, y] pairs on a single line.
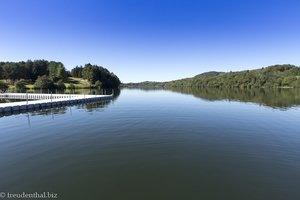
{"points": [[43, 82], [3, 86], [20, 85]]}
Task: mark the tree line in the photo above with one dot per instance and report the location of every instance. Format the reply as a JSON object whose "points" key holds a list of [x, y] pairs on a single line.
{"points": [[276, 76], [51, 74], [31, 70]]}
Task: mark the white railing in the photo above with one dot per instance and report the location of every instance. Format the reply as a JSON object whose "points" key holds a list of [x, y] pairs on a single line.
{"points": [[36, 96]]}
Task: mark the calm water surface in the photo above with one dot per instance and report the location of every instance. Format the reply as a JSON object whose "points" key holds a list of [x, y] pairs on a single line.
{"points": [[158, 145]]}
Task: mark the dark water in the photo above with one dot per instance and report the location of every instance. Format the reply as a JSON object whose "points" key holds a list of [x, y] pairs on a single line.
{"points": [[196, 144]]}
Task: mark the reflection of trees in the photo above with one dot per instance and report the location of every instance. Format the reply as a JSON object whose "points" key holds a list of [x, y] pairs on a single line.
{"points": [[97, 106], [276, 98], [51, 111]]}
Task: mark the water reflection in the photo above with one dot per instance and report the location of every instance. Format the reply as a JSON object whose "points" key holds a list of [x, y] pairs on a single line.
{"points": [[175, 145], [282, 98], [50, 111], [90, 107]]}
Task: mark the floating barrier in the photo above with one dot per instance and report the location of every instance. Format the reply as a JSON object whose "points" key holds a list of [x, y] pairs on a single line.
{"points": [[40, 101]]}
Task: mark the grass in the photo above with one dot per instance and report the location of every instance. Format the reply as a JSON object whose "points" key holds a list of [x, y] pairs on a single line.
{"points": [[79, 83], [12, 86]]}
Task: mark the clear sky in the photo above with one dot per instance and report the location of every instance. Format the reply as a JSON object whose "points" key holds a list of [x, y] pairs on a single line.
{"points": [[152, 40]]}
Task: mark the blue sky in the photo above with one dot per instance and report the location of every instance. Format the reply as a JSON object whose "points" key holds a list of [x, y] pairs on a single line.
{"points": [[152, 40]]}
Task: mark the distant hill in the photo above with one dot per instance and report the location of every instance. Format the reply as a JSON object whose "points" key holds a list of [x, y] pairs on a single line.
{"points": [[276, 76], [145, 84], [272, 76], [209, 74]]}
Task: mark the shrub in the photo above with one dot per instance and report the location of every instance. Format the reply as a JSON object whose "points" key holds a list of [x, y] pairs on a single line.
{"points": [[3, 86], [20, 85], [43, 82]]}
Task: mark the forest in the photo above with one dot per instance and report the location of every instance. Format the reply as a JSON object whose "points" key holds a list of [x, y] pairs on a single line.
{"points": [[43, 74], [96, 75], [276, 76]]}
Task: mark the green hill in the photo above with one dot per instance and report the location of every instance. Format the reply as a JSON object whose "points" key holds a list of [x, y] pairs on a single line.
{"points": [[53, 75], [269, 77]]}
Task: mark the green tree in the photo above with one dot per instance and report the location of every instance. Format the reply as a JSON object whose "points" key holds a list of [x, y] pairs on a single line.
{"points": [[95, 73], [10, 71], [1, 71], [20, 85], [39, 68], [56, 71], [89, 73], [43, 82], [77, 72]]}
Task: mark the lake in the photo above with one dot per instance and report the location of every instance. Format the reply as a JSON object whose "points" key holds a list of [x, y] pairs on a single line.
{"points": [[158, 144]]}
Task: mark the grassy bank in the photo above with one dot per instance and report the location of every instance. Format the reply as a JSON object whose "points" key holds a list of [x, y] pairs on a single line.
{"points": [[72, 82], [78, 83]]}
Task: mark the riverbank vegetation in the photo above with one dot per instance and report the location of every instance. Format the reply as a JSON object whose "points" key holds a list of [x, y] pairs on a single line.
{"points": [[42, 74], [145, 84], [277, 76]]}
